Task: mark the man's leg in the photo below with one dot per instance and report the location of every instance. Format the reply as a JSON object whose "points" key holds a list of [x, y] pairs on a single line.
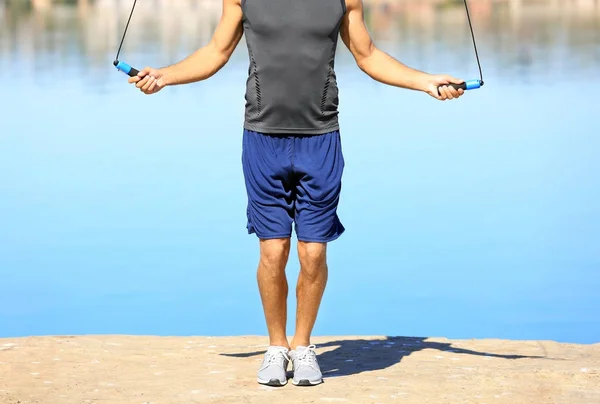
{"points": [[273, 287], [267, 169], [309, 290], [318, 165]]}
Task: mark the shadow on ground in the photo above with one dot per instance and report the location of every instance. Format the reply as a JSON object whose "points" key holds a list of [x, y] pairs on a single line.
{"points": [[351, 357]]}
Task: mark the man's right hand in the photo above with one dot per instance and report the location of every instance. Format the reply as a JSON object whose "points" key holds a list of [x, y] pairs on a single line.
{"points": [[149, 80]]}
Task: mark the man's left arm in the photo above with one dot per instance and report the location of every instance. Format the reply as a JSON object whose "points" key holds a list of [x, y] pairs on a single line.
{"points": [[382, 67]]}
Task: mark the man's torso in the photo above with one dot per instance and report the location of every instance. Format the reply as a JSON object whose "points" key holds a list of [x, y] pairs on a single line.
{"points": [[292, 86]]}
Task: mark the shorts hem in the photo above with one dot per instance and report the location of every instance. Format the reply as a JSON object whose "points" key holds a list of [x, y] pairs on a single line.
{"points": [[270, 236], [320, 239]]}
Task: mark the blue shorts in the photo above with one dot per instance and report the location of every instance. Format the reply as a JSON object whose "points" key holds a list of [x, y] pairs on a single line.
{"points": [[293, 179]]}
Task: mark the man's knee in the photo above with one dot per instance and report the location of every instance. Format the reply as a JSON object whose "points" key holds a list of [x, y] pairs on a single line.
{"points": [[312, 256], [274, 252]]}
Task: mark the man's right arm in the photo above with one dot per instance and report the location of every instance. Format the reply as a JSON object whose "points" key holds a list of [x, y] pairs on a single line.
{"points": [[207, 60]]}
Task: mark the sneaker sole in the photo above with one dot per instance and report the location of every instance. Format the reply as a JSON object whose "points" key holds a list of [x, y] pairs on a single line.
{"points": [[272, 382], [305, 382]]}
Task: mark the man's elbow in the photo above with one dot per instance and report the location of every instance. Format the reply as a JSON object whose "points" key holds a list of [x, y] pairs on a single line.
{"points": [[223, 57], [365, 64], [220, 54], [364, 59]]}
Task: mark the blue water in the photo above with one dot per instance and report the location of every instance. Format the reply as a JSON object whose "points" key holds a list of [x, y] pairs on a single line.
{"points": [[125, 213]]}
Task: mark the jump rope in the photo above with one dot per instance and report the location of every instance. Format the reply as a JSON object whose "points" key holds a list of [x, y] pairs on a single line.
{"points": [[467, 85]]}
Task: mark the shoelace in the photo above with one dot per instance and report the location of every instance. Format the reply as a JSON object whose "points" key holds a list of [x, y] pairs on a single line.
{"points": [[307, 356], [273, 355]]}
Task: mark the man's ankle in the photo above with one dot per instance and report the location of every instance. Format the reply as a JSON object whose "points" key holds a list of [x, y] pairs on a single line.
{"points": [[295, 344], [283, 344]]}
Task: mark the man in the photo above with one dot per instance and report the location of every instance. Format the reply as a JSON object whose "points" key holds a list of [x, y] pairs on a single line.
{"points": [[292, 158]]}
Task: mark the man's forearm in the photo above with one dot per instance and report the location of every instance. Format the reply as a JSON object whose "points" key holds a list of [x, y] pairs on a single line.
{"points": [[200, 65], [382, 67]]}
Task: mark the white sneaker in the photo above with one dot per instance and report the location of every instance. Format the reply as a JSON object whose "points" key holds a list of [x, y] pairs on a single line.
{"points": [[306, 369], [273, 369]]}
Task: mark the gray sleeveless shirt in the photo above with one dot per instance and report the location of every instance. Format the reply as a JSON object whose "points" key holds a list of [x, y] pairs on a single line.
{"points": [[291, 86]]}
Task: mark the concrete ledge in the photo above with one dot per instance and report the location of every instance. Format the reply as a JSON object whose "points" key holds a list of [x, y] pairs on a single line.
{"points": [[173, 370]]}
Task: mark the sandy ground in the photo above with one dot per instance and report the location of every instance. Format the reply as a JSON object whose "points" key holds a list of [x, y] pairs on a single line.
{"points": [[127, 369]]}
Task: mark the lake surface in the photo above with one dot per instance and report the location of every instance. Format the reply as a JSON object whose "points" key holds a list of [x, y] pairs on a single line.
{"points": [[125, 213]]}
